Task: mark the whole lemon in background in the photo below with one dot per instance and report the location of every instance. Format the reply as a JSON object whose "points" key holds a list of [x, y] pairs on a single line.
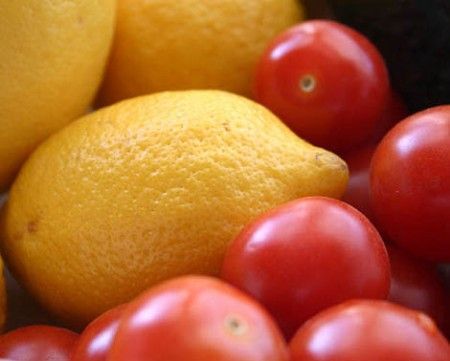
{"points": [[52, 57], [147, 189], [191, 44]]}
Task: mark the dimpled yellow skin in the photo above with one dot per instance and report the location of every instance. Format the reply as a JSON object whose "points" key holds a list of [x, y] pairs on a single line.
{"points": [[191, 44], [52, 57], [151, 188]]}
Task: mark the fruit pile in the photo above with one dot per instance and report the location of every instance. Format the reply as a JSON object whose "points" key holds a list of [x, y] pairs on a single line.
{"points": [[216, 180]]}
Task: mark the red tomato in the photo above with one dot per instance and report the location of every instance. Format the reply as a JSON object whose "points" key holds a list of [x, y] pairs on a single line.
{"points": [[410, 184], [38, 343], [96, 340], [358, 188], [369, 331], [326, 81], [415, 284], [307, 255], [196, 318]]}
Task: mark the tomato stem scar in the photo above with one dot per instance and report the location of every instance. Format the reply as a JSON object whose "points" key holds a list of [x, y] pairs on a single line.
{"points": [[236, 325], [308, 83]]}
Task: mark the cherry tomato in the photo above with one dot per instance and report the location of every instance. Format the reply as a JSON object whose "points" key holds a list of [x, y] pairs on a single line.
{"points": [[410, 184], [195, 318], [370, 331], [326, 81], [307, 255], [38, 343], [415, 284], [358, 188], [96, 340]]}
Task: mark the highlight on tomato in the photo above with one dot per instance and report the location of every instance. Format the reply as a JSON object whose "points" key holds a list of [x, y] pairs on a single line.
{"points": [[326, 81], [97, 338], [197, 318], [307, 255], [38, 343], [410, 187], [370, 330]]}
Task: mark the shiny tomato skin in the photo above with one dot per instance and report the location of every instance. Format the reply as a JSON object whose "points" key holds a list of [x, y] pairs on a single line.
{"points": [[38, 343], [410, 187], [371, 331], [326, 81], [307, 255], [197, 318], [96, 340]]}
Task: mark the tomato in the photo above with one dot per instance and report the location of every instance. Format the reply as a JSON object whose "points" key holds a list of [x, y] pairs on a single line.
{"points": [[370, 331], [415, 284], [410, 184], [195, 318], [326, 81], [307, 255], [96, 340], [358, 188], [38, 343]]}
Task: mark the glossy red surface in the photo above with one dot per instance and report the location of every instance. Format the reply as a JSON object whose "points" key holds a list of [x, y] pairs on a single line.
{"points": [[38, 343], [410, 184], [196, 318], [96, 340], [326, 81], [369, 331], [307, 255]]}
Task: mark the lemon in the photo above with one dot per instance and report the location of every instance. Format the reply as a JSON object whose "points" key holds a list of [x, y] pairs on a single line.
{"points": [[148, 189], [52, 57], [191, 44]]}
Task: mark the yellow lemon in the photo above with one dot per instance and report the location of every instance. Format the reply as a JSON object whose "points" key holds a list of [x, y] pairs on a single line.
{"points": [[52, 57], [191, 44], [151, 188]]}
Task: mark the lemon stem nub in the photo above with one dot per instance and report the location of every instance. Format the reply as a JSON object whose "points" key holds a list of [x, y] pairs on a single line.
{"points": [[307, 83]]}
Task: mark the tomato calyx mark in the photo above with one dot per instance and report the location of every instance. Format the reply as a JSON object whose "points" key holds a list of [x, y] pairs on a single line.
{"points": [[235, 325], [307, 83]]}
